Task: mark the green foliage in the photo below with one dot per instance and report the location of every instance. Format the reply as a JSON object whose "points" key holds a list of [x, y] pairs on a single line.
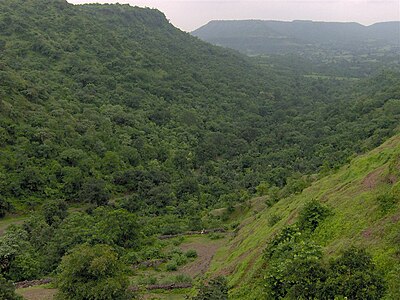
{"points": [[92, 272], [295, 271], [171, 266], [5, 207], [191, 253], [273, 219], [54, 211], [7, 290], [262, 188], [312, 215], [216, 289], [353, 275], [387, 201], [94, 191], [18, 259], [85, 118], [295, 268]]}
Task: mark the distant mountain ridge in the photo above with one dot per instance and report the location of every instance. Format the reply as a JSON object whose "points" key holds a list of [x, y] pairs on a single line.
{"points": [[260, 37]]}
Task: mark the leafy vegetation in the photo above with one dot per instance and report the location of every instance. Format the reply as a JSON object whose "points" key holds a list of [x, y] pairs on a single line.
{"points": [[216, 289], [172, 131], [92, 273], [296, 270], [355, 233], [7, 290], [117, 128]]}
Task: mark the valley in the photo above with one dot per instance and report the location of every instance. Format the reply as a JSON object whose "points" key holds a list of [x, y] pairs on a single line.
{"points": [[140, 162]]}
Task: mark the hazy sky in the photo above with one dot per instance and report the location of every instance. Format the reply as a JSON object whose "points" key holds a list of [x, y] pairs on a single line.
{"points": [[191, 14]]}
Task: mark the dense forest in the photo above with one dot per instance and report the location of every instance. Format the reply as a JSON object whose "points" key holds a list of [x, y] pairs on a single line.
{"points": [[116, 127]]}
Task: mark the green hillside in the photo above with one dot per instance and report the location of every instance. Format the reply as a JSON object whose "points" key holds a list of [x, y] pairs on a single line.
{"points": [[99, 101], [359, 218]]}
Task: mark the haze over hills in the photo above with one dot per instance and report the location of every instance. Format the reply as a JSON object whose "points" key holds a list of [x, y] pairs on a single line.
{"points": [[263, 37]]}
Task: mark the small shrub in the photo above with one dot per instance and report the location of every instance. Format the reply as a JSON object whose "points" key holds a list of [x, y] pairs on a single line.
{"points": [[148, 280], [5, 207], [191, 253], [216, 289], [171, 266], [312, 215], [273, 219], [234, 225], [215, 236], [180, 259], [174, 251], [177, 241], [386, 202], [7, 290], [183, 278]]}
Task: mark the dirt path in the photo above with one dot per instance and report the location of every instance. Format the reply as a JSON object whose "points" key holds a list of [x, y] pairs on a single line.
{"points": [[205, 249]]}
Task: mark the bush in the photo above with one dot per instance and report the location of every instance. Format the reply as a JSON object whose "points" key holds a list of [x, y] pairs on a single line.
{"points": [[353, 275], [215, 236], [180, 259], [386, 202], [312, 215], [191, 253], [171, 266], [92, 272], [5, 207], [273, 219], [216, 289], [7, 290], [295, 270]]}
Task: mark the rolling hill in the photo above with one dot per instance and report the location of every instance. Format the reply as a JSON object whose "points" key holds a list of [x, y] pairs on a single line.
{"points": [[271, 37]]}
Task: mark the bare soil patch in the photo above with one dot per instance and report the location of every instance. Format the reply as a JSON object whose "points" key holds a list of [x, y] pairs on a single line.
{"points": [[205, 249], [37, 293], [372, 179]]}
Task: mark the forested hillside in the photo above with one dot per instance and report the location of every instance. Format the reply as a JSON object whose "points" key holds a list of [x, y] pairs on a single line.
{"points": [[103, 100], [116, 127]]}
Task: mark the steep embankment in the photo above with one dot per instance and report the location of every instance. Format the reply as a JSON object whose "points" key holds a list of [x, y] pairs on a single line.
{"points": [[360, 217]]}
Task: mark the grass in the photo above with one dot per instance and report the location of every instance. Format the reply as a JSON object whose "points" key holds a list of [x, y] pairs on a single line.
{"points": [[42, 292], [357, 220], [9, 220], [191, 272]]}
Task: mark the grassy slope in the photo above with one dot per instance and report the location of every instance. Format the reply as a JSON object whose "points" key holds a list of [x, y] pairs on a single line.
{"points": [[357, 220]]}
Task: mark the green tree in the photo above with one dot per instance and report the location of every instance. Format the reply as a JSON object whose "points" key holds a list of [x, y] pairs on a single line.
{"points": [[54, 211], [354, 275], [216, 289], [7, 290], [94, 191], [92, 272]]}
